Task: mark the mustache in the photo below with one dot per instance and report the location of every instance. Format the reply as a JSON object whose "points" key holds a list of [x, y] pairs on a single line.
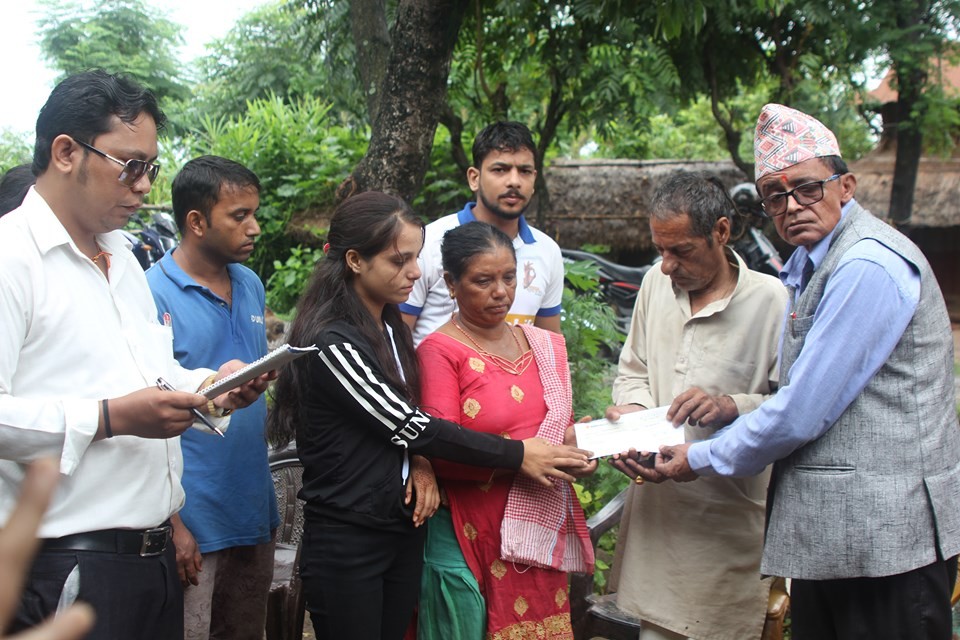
{"points": [[512, 193]]}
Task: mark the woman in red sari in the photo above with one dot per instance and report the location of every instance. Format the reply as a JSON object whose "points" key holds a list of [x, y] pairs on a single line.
{"points": [[496, 558]]}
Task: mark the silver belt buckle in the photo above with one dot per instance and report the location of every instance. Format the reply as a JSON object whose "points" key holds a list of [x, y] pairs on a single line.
{"points": [[154, 541]]}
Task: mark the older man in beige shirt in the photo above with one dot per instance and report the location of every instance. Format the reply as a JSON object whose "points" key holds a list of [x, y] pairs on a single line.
{"points": [[703, 339]]}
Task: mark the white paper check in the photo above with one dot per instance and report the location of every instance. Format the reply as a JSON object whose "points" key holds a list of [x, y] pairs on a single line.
{"points": [[641, 430]]}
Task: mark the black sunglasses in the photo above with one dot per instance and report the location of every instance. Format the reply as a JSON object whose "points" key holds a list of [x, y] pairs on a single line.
{"points": [[133, 170], [805, 194]]}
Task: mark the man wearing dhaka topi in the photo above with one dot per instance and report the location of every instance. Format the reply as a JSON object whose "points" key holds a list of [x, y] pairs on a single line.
{"points": [[863, 510]]}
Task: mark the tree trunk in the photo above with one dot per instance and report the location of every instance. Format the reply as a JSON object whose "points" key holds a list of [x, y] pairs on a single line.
{"points": [[556, 109], [368, 26], [458, 152], [910, 65], [412, 97], [909, 148]]}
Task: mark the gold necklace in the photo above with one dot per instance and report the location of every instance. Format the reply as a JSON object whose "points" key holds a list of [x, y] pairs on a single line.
{"points": [[513, 367]]}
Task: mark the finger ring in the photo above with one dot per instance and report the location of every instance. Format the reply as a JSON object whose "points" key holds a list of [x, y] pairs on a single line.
{"points": [[638, 479]]}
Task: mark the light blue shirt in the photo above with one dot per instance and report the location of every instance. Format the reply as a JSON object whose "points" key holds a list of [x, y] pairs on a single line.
{"points": [[867, 303]]}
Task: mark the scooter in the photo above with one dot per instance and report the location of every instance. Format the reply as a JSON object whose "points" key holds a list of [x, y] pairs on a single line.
{"points": [[153, 237]]}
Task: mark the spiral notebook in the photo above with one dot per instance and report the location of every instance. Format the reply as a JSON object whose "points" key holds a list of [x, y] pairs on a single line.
{"points": [[273, 360]]}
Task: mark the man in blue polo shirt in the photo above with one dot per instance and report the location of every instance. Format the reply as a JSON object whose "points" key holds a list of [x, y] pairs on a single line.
{"points": [[502, 176], [224, 534]]}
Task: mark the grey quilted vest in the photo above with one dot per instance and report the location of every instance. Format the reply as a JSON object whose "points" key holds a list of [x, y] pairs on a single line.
{"points": [[879, 493]]}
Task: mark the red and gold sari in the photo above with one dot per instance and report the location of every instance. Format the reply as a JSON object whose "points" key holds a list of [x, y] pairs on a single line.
{"points": [[461, 385]]}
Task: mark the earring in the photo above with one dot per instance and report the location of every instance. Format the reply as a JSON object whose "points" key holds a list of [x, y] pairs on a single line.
{"points": [[453, 296]]}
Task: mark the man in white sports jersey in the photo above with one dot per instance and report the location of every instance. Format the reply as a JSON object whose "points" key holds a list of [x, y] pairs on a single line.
{"points": [[502, 176]]}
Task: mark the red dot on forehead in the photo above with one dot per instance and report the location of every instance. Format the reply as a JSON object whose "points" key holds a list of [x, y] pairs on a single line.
{"points": [[783, 178]]}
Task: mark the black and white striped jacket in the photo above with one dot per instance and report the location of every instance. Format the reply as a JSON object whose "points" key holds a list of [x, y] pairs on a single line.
{"points": [[355, 428]]}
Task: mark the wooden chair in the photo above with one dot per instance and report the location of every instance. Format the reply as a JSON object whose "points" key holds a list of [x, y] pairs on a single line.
{"points": [[285, 603], [956, 590], [595, 615]]}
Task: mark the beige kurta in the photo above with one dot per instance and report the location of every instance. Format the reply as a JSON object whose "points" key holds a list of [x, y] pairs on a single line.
{"points": [[688, 554]]}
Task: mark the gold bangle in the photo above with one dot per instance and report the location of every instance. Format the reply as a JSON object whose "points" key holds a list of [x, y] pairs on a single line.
{"points": [[217, 412], [212, 409], [207, 381]]}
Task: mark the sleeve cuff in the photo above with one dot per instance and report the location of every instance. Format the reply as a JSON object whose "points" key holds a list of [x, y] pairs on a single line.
{"points": [[549, 312], [81, 420], [698, 457]]}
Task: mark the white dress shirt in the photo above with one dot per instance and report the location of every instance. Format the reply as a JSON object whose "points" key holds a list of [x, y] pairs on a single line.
{"points": [[69, 338]]}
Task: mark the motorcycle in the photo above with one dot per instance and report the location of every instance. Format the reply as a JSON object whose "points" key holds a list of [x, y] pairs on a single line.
{"points": [[152, 237], [619, 284]]}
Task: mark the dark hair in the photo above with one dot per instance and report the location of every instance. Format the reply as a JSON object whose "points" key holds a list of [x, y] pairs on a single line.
{"points": [[461, 244], [697, 194], [835, 164], [81, 107], [198, 184], [502, 136], [14, 186], [368, 223]]}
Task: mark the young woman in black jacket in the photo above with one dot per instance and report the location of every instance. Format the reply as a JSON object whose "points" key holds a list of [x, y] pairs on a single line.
{"points": [[353, 410]]}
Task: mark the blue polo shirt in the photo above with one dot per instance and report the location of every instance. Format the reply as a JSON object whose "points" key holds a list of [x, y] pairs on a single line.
{"points": [[230, 496]]}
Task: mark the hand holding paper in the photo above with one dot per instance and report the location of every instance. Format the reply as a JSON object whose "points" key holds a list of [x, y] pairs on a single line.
{"points": [[640, 430]]}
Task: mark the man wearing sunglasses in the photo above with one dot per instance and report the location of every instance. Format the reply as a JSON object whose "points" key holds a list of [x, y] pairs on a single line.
{"points": [[863, 510], [81, 353]]}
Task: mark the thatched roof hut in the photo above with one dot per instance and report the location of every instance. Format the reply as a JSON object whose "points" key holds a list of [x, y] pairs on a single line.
{"points": [[936, 201], [607, 201]]}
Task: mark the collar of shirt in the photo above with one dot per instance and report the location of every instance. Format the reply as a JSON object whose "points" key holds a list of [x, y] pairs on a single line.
{"points": [[466, 215], [48, 233], [181, 278], [792, 272], [683, 297]]}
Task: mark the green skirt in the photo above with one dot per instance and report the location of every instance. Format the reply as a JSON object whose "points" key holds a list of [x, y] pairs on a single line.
{"points": [[451, 606]]}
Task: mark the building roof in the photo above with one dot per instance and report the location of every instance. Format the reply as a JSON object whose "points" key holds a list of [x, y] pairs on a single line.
{"points": [[608, 201], [949, 77], [936, 200]]}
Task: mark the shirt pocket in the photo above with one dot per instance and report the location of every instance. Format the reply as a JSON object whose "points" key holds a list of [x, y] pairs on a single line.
{"points": [[799, 326], [155, 352]]}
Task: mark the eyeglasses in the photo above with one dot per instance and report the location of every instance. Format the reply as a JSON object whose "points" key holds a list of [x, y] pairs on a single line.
{"points": [[805, 194], [133, 170]]}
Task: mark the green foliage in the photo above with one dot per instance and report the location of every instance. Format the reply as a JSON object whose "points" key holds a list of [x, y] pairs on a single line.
{"points": [[127, 36], [275, 50], [940, 121], [290, 278], [593, 342], [298, 154], [14, 150], [590, 330], [563, 67]]}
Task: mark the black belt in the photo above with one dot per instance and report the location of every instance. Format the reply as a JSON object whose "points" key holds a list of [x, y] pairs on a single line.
{"points": [[150, 542]]}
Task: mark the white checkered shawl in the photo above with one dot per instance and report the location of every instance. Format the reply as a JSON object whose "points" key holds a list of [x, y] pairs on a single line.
{"points": [[544, 526]]}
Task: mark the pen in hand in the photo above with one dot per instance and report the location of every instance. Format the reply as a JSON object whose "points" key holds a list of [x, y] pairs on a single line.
{"points": [[166, 386]]}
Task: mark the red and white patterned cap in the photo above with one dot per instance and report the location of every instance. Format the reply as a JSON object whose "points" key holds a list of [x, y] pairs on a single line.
{"points": [[786, 137]]}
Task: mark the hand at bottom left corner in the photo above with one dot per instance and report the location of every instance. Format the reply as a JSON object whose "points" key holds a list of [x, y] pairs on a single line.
{"points": [[18, 544]]}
